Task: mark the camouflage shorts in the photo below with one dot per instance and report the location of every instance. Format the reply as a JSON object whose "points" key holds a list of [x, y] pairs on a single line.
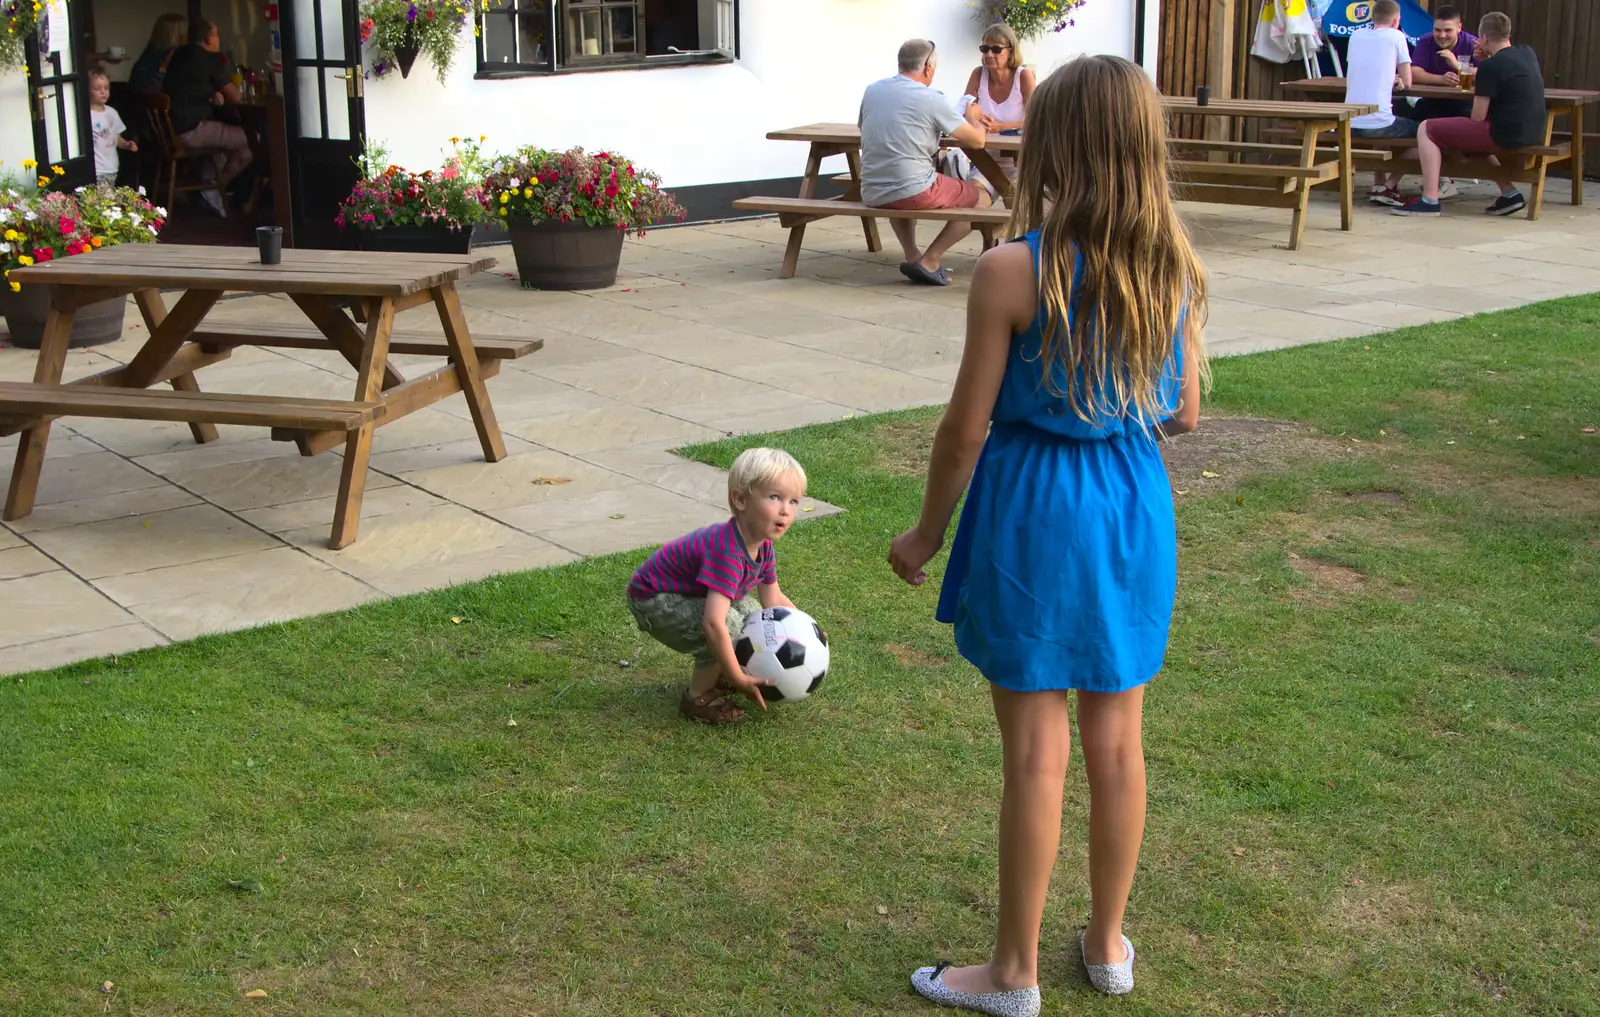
{"points": [[675, 621]]}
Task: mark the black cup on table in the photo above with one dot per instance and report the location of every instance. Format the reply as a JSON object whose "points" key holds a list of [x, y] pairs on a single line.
{"points": [[1202, 96], [269, 241]]}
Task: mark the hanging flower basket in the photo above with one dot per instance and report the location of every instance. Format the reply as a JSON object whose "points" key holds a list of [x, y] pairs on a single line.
{"points": [[396, 32], [1028, 18], [19, 20]]}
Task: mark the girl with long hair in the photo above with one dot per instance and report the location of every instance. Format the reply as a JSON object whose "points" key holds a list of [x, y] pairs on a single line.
{"points": [[1084, 346]]}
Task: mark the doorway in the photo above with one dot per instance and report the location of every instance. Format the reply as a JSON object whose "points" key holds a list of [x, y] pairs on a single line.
{"points": [[58, 93], [325, 113]]}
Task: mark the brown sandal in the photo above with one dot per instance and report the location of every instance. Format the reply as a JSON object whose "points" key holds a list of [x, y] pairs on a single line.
{"points": [[709, 708]]}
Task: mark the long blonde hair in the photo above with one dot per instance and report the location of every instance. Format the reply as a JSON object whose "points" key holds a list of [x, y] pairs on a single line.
{"points": [[169, 31], [1092, 177]]}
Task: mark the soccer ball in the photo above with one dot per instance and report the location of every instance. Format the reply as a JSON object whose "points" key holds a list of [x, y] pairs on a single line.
{"points": [[787, 647]]}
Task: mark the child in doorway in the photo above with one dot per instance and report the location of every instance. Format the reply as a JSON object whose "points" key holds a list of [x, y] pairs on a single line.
{"points": [[696, 593], [109, 130], [1084, 345]]}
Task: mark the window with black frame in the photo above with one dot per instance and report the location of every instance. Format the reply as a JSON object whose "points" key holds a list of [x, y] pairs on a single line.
{"points": [[518, 37]]}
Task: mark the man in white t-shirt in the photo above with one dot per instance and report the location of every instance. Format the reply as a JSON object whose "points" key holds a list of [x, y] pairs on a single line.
{"points": [[902, 119], [1379, 60]]}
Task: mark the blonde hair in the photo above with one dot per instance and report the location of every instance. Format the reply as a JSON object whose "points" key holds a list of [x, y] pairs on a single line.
{"points": [[1093, 179], [1385, 11], [97, 72], [758, 467], [1002, 32], [171, 30]]}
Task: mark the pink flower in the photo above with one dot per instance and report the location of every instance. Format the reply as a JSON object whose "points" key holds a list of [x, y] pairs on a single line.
{"points": [[449, 173]]}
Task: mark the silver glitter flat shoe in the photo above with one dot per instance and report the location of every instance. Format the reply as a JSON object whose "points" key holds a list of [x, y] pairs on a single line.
{"points": [[1015, 1003], [1111, 979]]}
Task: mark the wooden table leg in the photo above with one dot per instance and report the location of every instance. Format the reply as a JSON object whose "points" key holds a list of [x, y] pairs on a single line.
{"points": [[868, 226], [1347, 178], [468, 371], [1308, 156], [1575, 121], [154, 311], [30, 446], [358, 447], [808, 189]]}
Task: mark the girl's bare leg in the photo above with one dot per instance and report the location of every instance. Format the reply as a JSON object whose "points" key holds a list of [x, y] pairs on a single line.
{"points": [[1036, 740], [1110, 727]]}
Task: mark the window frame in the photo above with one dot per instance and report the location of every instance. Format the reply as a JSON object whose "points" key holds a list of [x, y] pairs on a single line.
{"points": [[556, 63]]}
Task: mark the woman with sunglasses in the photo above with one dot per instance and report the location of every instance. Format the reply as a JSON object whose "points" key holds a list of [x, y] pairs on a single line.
{"points": [[1000, 86]]}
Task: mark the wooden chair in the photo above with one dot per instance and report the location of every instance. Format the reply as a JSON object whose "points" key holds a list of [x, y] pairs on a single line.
{"points": [[172, 155]]}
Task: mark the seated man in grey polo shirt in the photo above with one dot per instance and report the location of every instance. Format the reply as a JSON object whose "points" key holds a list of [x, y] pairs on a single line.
{"points": [[902, 120]]}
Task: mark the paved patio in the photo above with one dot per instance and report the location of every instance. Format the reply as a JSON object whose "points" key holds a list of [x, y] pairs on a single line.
{"points": [[141, 537]]}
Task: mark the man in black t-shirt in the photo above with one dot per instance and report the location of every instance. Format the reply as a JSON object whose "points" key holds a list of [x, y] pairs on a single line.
{"points": [[197, 81], [1508, 112]]}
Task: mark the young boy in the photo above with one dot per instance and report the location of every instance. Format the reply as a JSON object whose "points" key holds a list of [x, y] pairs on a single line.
{"points": [[1379, 58], [695, 593], [108, 130]]}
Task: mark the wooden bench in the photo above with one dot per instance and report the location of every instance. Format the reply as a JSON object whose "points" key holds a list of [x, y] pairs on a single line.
{"points": [[215, 335], [190, 407], [1526, 165], [794, 213]]}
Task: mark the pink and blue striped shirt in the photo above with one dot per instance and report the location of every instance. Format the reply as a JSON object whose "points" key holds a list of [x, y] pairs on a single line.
{"points": [[712, 559]]}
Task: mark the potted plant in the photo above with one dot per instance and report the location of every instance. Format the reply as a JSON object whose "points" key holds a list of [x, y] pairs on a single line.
{"points": [[432, 212], [44, 226], [400, 30], [567, 213], [20, 20], [1028, 18]]}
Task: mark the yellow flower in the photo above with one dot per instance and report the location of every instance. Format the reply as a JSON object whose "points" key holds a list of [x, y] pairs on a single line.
{"points": [[455, 141], [13, 235], [502, 211], [57, 170], [16, 287], [527, 192], [483, 137], [44, 181], [25, 260], [28, 164], [505, 196]]}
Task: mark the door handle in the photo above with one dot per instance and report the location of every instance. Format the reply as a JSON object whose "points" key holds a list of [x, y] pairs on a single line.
{"points": [[352, 82]]}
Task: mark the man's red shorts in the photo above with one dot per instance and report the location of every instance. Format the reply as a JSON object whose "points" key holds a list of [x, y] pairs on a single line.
{"points": [[946, 192], [1463, 134]]}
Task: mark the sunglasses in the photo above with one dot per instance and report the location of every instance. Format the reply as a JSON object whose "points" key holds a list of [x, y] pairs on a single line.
{"points": [[996, 50]]}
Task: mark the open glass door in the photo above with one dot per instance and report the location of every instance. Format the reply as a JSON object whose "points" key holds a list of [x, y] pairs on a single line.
{"points": [[322, 91], [59, 96]]}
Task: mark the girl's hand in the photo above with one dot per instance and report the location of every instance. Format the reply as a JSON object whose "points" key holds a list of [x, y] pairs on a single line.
{"points": [[910, 552]]}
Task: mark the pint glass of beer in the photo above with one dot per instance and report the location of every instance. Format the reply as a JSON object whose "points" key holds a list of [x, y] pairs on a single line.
{"points": [[1468, 76]]}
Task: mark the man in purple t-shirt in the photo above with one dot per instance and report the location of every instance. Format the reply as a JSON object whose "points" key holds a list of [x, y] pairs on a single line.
{"points": [[1436, 60]]}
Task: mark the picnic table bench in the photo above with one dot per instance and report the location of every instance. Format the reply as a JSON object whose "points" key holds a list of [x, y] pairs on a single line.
{"points": [[1281, 184], [1528, 165], [181, 341]]}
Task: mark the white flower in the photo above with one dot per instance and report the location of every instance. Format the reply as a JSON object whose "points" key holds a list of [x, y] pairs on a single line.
{"points": [[113, 214], [5, 215], [153, 231], [5, 248], [516, 182], [161, 212], [141, 190], [30, 216], [134, 218]]}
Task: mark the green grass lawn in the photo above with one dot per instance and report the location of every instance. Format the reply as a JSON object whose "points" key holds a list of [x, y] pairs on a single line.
{"points": [[1373, 753]]}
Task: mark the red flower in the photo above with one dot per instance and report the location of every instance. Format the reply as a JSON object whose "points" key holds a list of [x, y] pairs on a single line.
{"points": [[67, 225], [430, 15], [43, 254]]}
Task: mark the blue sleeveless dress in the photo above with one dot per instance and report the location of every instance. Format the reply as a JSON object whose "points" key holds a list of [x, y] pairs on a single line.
{"points": [[1064, 566]]}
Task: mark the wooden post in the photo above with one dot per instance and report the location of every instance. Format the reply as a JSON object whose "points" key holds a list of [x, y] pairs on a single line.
{"points": [[1219, 69]]}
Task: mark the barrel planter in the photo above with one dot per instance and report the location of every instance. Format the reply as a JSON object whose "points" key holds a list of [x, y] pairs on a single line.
{"points": [[417, 239], [93, 325], [565, 255]]}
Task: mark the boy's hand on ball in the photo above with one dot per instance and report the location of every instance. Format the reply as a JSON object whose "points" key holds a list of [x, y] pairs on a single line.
{"points": [[909, 553]]}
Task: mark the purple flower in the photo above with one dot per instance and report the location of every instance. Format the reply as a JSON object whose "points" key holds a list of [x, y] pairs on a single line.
{"points": [[411, 13]]}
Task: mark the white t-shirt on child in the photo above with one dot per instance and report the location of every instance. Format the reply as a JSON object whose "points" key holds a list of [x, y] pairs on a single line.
{"points": [[1375, 55], [107, 125]]}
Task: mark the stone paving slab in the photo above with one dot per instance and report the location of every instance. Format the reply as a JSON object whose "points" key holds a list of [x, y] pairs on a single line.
{"points": [[141, 537]]}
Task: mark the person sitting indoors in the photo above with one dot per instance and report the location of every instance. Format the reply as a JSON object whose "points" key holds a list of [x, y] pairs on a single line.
{"points": [[198, 82], [1436, 60], [1507, 113], [902, 120], [169, 33], [1379, 58]]}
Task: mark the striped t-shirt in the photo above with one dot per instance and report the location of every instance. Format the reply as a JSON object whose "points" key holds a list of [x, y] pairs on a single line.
{"points": [[714, 558]]}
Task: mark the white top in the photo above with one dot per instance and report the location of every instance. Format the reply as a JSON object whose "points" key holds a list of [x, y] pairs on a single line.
{"points": [[1376, 54], [1007, 112], [901, 121], [106, 124]]}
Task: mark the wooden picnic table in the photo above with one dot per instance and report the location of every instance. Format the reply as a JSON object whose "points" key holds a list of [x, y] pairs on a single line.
{"points": [[1568, 102], [180, 342]]}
